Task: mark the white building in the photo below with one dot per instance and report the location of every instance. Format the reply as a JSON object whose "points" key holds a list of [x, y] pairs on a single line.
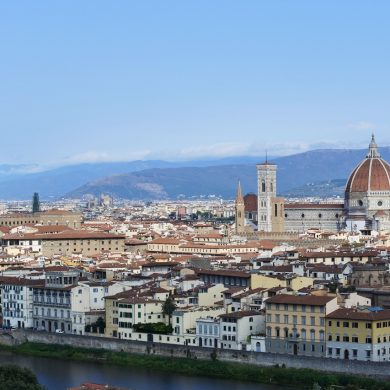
{"points": [[236, 328], [17, 301]]}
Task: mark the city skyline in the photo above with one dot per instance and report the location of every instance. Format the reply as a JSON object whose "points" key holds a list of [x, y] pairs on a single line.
{"points": [[88, 83]]}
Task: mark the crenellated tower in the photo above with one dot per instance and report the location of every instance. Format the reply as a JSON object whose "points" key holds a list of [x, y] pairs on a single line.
{"points": [[240, 211]]}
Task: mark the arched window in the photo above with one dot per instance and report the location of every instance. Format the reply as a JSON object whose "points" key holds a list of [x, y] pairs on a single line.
{"points": [[263, 185], [272, 186], [276, 210]]}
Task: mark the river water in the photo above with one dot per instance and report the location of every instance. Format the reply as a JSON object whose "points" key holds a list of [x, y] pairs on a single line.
{"points": [[61, 374]]}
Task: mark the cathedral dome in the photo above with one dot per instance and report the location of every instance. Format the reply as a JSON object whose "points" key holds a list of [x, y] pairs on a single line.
{"points": [[371, 175]]}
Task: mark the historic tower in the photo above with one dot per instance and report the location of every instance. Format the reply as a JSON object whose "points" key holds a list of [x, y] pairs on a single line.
{"points": [[266, 193], [240, 211]]}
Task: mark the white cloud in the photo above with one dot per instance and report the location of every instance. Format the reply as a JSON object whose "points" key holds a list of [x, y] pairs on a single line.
{"points": [[95, 157]]}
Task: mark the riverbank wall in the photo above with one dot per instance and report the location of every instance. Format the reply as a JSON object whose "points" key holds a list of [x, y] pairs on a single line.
{"points": [[351, 367]]}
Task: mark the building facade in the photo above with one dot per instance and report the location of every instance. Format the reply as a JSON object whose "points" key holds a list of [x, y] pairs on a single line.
{"points": [[295, 324]]}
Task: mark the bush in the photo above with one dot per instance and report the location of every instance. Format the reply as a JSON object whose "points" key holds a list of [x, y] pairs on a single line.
{"points": [[17, 378], [157, 327]]}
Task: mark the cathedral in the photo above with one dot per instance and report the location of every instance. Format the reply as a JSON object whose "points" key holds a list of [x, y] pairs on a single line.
{"points": [[366, 204]]}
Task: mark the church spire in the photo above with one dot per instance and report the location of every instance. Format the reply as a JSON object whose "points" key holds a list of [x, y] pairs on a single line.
{"points": [[239, 197], [373, 149]]}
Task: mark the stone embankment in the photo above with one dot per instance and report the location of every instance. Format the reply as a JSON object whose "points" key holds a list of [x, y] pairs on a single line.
{"points": [[352, 367]]}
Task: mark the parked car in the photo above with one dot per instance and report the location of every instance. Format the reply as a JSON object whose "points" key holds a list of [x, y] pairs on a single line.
{"points": [[59, 331]]}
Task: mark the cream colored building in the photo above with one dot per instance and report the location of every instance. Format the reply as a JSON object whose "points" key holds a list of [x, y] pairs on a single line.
{"points": [[294, 282], [49, 217], [295, 324], [66, 242]]}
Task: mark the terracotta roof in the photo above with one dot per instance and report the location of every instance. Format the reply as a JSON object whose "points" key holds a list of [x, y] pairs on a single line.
{"points": [[301, 299], [250, 202], [225, 272], [372, 174], [314, 206], [241, 314], [368, 314]]}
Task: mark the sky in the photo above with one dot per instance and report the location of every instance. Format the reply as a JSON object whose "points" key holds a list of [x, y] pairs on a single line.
{"points": [[86, 81]]}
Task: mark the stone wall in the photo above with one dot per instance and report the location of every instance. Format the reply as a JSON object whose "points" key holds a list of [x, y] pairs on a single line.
{"points": [[256, 358]]}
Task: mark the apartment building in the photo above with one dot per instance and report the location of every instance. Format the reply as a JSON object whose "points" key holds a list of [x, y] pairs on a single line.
{"points": [[17, 301], [52, 301], [360, 333], [295, 324], [237, 327]]}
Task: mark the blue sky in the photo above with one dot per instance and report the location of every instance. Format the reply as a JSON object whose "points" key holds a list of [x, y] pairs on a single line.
{"points": [[122, 80]]}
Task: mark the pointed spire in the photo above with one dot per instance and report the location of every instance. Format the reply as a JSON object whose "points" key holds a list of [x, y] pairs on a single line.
{"points": [[239, 197], [373, 149]]}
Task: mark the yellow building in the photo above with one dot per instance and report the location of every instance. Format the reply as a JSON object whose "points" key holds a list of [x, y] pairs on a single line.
{"points": [[361, 333], [267, 281], [295, 324]]}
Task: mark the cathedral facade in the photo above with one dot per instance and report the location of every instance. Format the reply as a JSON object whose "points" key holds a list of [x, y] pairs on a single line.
{"points": [[366, 204]]}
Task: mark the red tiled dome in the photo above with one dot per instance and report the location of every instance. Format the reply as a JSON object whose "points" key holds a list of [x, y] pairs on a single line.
{"points": [[372, 174]]}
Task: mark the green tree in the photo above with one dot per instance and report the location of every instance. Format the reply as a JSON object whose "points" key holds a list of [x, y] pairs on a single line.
{"points": [[168, 308], [36, 207], [18, 378]]}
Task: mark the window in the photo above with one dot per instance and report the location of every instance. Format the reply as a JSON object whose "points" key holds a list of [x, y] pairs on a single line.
{"points": [[286, 319], [368, 340], [330, 323], [312, 321], [337, 351], [346, 339], [345, 324], [330, 351], [355, 339], [329, 337], [368, 325], [355, 325], [303, 320]]}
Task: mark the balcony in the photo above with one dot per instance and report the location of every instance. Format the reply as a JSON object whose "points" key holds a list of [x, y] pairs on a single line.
{"points": [[293, 337], [38, 302]]}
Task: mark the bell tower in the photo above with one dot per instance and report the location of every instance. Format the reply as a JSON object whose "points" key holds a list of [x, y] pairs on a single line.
{"points": [[266, 192]]}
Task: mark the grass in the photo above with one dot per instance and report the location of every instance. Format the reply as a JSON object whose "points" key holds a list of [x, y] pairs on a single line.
{"points": [[300, 378]]}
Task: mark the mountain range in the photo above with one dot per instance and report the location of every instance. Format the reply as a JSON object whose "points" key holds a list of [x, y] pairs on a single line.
{"points": [[314, 173]]}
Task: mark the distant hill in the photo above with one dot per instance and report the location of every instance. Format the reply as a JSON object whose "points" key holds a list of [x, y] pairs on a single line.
{"points": [[326, 189], [312, 173], [157, 179]]}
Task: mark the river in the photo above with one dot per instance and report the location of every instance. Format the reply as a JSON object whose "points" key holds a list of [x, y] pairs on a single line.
{"points": [[62, 374]]}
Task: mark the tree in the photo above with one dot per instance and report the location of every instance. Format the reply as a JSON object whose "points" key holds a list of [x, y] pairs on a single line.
{"points": [[169, 307], [36, 207], [18, 378]]}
